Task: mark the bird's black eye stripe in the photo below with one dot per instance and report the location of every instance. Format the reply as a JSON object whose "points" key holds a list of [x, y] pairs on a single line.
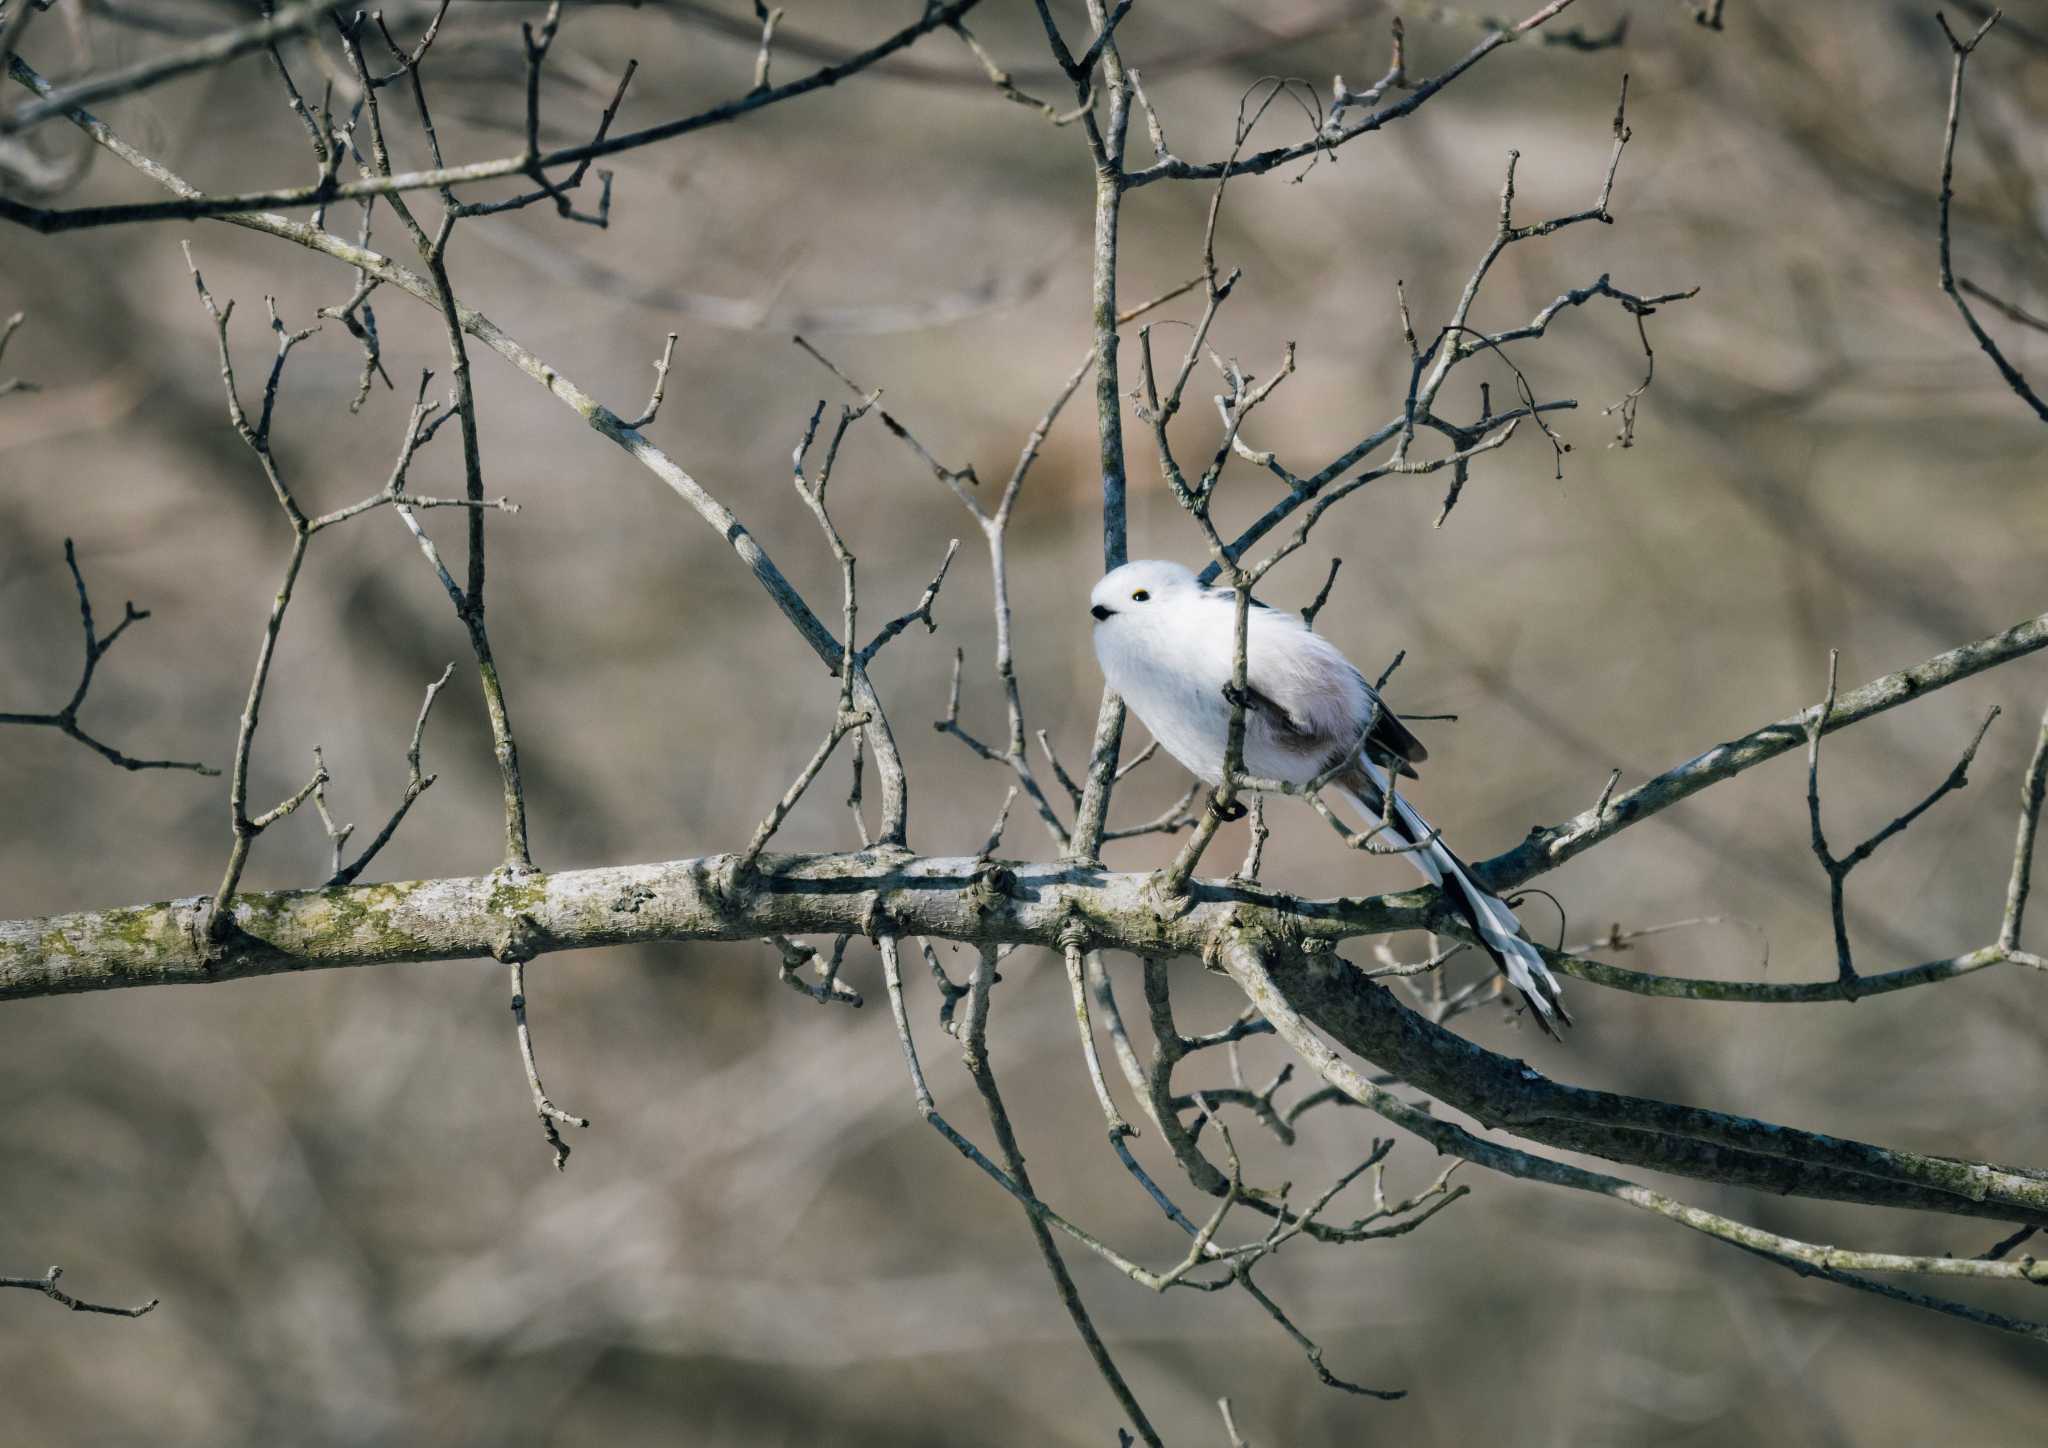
{"points": [[1140, 596]]}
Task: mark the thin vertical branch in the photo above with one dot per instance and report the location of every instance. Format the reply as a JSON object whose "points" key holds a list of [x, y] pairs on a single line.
{"points": [[974, 1052], [469, 600], [2032, 789], [1960, 52], [1107, 147], [546, 1110]]}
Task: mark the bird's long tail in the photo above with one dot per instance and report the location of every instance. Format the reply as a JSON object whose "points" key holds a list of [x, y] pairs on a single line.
{"points": [[1500, 934]]}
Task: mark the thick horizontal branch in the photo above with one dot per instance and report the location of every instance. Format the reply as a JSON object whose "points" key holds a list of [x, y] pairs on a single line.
{"points": [[990, 904], [710, 898], [1246, 962], [1363, 1017], [1549, 846]]}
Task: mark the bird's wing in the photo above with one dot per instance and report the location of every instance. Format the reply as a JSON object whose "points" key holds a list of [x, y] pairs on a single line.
{"points": [[1282, 723], [1295, 691], [1390, 738], [1389, 744]]}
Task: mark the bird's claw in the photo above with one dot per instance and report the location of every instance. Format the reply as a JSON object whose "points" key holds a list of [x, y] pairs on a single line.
{"points": [[1226, 813]]}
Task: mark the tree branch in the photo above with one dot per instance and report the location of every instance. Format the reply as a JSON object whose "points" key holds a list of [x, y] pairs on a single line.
{"points": [[47, 1285], [1959, 53], [65, 720], [196, 204], [1549, 846]]}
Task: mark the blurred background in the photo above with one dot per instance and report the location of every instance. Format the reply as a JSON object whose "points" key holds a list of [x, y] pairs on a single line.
{"points": [[335, 1182]]}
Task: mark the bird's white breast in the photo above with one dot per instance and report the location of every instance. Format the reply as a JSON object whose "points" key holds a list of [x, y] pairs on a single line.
{"points": [[1165, 676]]}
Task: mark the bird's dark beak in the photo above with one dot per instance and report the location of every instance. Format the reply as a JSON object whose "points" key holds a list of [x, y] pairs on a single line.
{"points": [[1101, 613]]}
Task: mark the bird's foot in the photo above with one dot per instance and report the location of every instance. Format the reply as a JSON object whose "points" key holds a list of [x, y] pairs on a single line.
{"points": [[1226, 813]]}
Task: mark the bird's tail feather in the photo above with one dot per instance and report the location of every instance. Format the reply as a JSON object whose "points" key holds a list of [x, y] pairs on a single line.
{"points": [[1500, 934]]}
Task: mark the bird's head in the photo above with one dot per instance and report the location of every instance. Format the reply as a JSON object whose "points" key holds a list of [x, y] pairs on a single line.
{"points": [[1137, 586]]}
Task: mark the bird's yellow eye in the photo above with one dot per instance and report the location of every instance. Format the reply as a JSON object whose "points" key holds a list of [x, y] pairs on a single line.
{"points": [[1140, 596]]}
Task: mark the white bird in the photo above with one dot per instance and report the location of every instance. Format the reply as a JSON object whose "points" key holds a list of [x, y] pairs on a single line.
{"points": [[1167, 645]]}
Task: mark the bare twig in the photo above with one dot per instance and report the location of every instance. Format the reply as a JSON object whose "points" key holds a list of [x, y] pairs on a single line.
{"points": [[660, 379], [546, 1110], [1308, 615], [842, 725], [47, 1285], [1838, 868], [245, 828], [416, 785], [829, 988], [65, 720], [1959, 55]]}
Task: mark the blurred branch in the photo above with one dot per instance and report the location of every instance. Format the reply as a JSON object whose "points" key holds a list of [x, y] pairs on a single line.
{"points": [[1331, 135], [1262, 34], [204, 54], [1706, 13], [2026, 35], [70, 101], [2004, 308], [767, 313], [14, 20], [11, 385]]}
